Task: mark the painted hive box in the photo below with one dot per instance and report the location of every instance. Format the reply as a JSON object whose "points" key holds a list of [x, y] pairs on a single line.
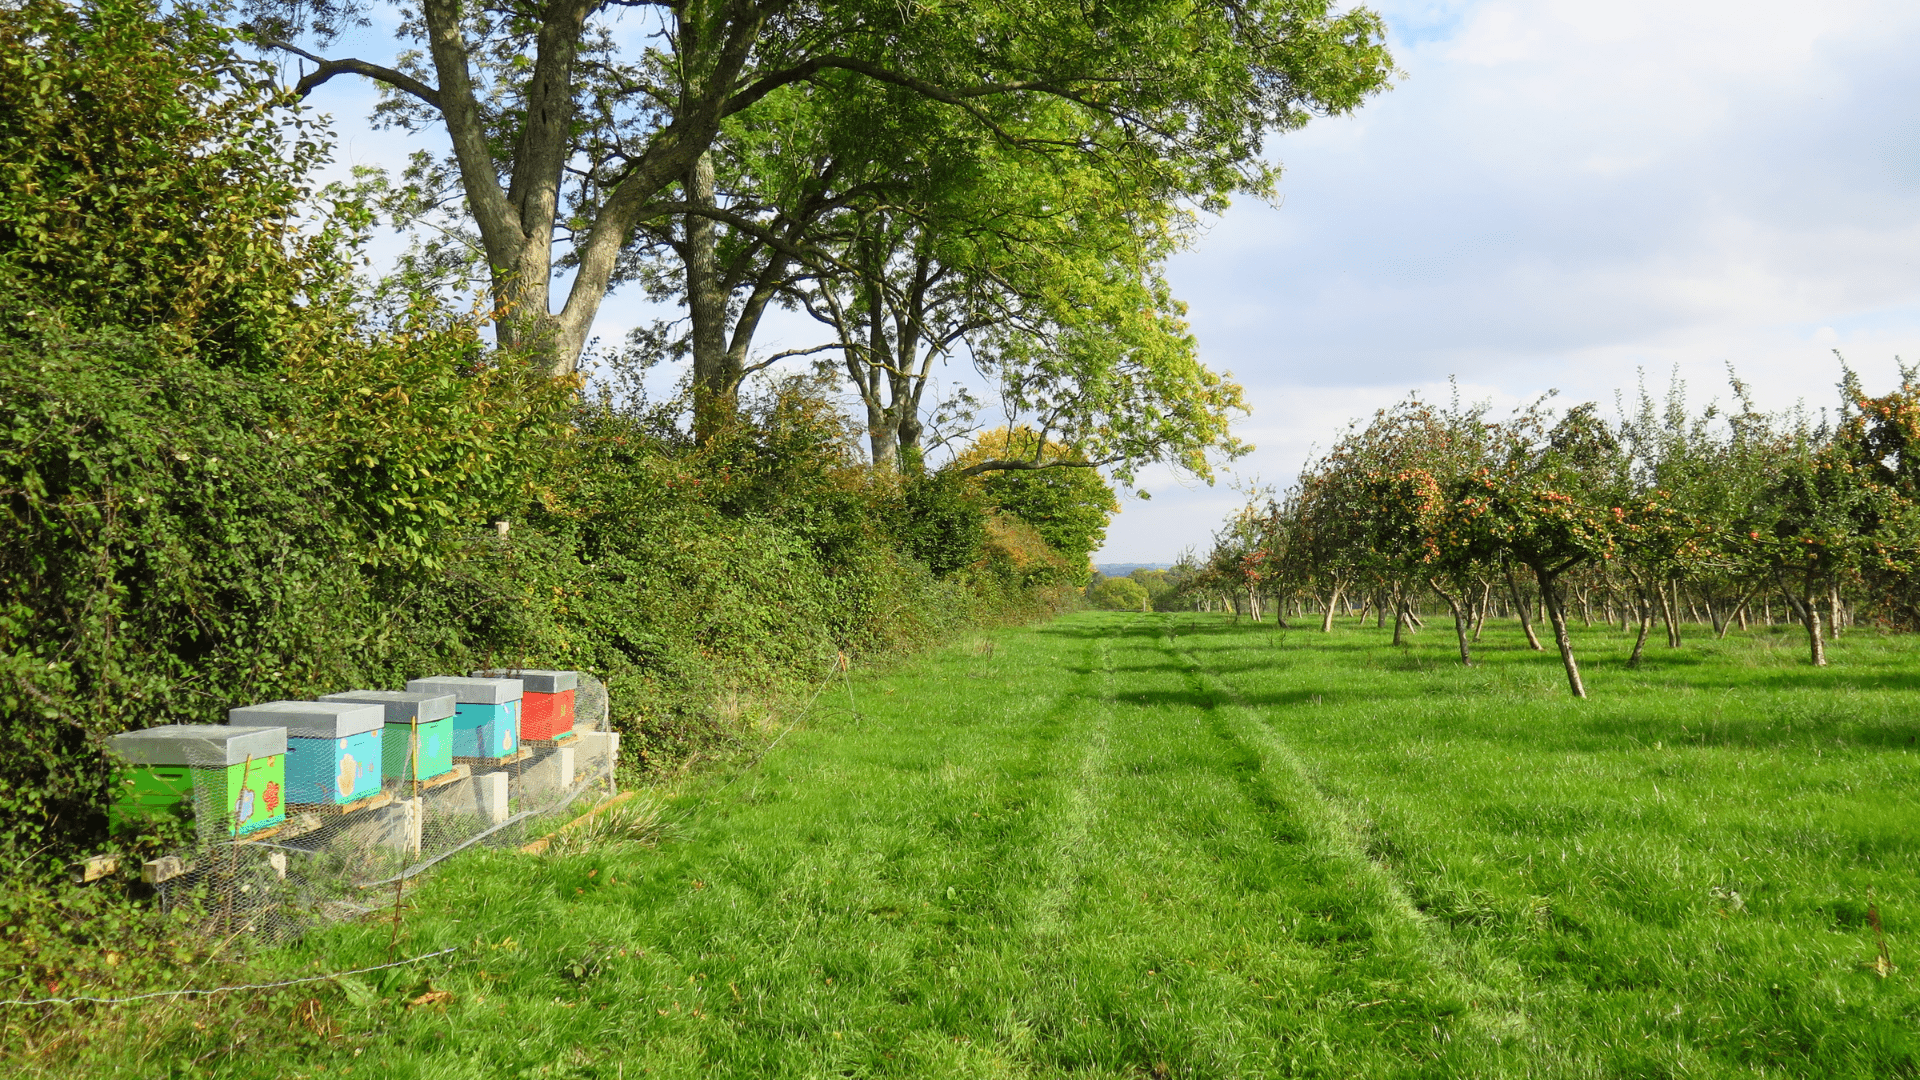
{"points": [[418, 732], [237, 773], [486, 714], [546, 702], [333, 747]]}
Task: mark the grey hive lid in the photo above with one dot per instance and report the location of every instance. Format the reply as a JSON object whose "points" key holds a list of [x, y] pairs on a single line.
{"points": [[403, 706], [203, 745], [313, 719], [470, 691], [537, 680]]}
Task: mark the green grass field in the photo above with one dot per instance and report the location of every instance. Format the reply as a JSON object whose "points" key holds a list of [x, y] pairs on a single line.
{"points": [[1170, 846]]}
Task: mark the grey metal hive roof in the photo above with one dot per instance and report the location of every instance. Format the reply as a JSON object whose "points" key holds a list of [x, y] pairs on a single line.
{"points": [[403, 706]]}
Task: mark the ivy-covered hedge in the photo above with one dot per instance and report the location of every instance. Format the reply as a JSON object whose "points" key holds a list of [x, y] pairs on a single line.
{"points": [[179, 544], [223, 480]]}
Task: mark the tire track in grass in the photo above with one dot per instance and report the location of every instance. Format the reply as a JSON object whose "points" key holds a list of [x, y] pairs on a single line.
{"points": [[1493, 990], [1209, 930], [1071, 826]]}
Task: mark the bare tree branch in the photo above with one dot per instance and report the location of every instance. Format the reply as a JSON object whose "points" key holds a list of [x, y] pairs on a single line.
{"points": [[1022, 464], [790, 353]]}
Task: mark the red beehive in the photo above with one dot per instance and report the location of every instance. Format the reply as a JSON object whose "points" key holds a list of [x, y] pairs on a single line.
{"points": [[546, 704]]}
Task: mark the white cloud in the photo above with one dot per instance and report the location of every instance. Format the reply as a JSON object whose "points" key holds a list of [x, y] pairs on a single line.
{"points": [[1562, 194]]}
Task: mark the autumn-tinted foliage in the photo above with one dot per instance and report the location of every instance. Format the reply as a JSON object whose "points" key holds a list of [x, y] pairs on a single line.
{"points": [[1662, 513]]}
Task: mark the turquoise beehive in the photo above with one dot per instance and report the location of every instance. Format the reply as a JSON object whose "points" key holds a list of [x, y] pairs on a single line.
{"points": [[333, 747], [419, 731], [486, 716]]}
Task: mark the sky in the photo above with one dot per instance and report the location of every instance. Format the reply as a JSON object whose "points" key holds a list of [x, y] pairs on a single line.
{"points": [[1555, 195], [1565, 195]]}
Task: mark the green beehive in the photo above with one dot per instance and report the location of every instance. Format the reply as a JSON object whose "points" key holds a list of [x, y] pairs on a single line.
{"points": [[419, 729], [236, 775]]}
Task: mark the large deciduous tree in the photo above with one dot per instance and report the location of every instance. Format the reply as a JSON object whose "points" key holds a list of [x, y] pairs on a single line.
{"points": [[562, 136]]}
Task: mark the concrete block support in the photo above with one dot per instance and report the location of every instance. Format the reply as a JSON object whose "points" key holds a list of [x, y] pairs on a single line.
{"points": [[483, 794], [490, 797], [598, 750], [398, 824], [549, 777]]}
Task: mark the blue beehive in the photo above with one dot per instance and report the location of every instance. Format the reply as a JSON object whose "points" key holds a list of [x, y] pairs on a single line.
{"points": [[486, 716], [333, 747], [419, 731]]}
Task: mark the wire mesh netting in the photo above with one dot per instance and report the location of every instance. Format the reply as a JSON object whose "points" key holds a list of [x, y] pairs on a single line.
{"points": [[286, 841]]}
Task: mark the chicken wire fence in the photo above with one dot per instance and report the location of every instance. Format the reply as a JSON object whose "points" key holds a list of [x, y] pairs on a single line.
{"points": [[313, 863]]}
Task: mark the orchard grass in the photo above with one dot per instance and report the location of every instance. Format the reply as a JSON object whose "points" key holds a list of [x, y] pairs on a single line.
{"points": [[1173, 845]]}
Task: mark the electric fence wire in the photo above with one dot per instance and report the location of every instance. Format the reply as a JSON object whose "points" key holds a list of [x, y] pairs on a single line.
{"points": [[229, 989]]}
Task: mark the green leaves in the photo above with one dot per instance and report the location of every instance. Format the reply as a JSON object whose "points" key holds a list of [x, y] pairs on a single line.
{"points": [[149, 178], [420, 429]]}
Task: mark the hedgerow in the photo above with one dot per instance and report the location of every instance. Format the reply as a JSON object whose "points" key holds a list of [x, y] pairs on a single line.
{"points": [[224, 480]]}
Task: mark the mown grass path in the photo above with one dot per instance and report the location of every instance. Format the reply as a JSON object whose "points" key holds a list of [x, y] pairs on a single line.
{"points": [[1135, 846]]}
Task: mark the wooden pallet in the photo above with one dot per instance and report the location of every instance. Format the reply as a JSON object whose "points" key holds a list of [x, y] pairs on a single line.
{"points": [[454, 775], [301, 824], [495, 762], [556, 741], [372, 802]]}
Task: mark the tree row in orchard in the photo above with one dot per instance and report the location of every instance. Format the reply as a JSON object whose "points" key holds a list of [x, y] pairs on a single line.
{"points": [[1656, 514]]}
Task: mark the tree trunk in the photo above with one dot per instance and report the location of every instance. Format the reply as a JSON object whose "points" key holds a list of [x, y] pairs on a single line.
{"points": [[1521, 606], [1326, 621], [1668, 591], [1646, 627], [1556, 612], [1816, 648], [1724, 623], [1480, 609], [1807, 609], [715, 387], [1836, 609], [1462, 616]]}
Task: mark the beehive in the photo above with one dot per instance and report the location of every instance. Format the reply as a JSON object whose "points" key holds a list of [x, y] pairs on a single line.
{"points": [[419, 729], [486, 714], [546, 703], [333, 747], [238, 772]]}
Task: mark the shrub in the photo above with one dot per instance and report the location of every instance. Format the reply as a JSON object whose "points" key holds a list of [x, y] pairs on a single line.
{"points": [[1118, 594]]}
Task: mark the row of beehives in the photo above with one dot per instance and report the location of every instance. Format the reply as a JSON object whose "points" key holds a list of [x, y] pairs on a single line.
{"points": [[337, 754]]}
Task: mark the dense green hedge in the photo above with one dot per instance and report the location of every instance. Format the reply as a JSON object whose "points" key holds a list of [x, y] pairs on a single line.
{"points": [[179, 546], [223, 480]]}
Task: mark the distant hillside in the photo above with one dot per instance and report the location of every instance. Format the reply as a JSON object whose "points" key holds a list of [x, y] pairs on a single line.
{"points": [[1122, 569]]}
